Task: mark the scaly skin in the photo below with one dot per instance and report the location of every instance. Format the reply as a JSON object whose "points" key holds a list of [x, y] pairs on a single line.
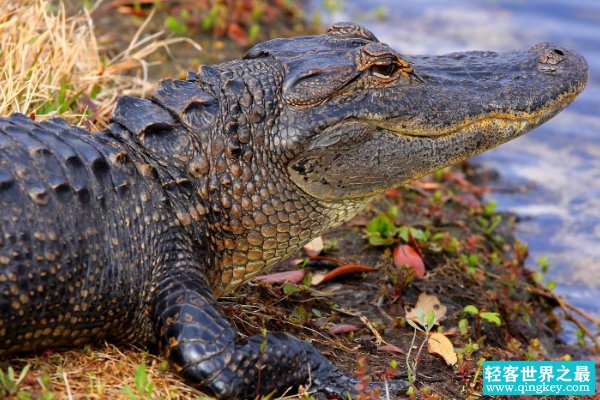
{"points": [[132, 233]]}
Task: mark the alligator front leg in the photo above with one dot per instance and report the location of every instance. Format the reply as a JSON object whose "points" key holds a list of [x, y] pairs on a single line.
{"points": [[200, 343]]}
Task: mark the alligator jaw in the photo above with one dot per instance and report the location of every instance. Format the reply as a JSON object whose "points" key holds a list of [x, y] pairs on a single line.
{"points": [[498, 121]]}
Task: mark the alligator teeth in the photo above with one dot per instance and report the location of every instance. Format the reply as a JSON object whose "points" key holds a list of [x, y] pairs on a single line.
{"points": [[537, 120], [523, 124]]}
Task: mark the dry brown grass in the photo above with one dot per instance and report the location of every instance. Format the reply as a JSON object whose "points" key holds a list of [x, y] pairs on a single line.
{"points": [[51, 64], [101, 371]]}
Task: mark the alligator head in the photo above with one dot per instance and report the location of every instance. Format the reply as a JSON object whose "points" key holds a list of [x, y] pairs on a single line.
{"points": [[362, 118], [299, 135]]}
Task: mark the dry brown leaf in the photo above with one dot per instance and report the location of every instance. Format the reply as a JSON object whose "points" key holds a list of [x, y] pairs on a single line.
{"points": [[317, 278], [314, 247], [441, 346], [426, 302], [343, 270]]}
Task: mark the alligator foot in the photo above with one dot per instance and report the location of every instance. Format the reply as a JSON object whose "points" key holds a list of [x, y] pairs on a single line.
{"points": [[342, 386], [200, 343]]}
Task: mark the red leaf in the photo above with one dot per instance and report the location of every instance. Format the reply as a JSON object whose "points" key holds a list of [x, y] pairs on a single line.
{"points": [[292, 276], [238, 34], [394, 193], [406, 255], [343, 328], [343, 270], [391, 348]]}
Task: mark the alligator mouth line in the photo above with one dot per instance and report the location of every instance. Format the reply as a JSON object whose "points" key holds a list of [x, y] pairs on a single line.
{"points": [[493, 120]]}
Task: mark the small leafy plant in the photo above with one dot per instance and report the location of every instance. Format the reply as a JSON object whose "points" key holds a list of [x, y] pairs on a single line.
{"points": [[9, 383], [480, 314], [427, 322], [143, 387]]}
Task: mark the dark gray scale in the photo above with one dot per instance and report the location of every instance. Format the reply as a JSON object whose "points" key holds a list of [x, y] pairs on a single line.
{"points": [[16, 158], [161, 138], [43, 159], [41, 237], [92, 158], [9, 191], [69, 160], [207, 71], [193, 106], [154, 127], [121, 166], [27, 258], [136, 114]]}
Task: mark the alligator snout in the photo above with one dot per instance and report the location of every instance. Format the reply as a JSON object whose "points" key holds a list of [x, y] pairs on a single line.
{"points": [[551, 53]]}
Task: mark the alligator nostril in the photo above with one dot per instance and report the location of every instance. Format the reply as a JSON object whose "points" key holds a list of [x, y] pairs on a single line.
{"points": [[551, 57]]}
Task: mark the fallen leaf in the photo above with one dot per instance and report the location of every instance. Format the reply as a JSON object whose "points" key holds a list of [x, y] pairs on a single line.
{"points": [[426, 302], [343, 328], [431, 185], [317, 278], [235, 32], [292, 276], [391, 348], [343, 270], [441, 346], [449, 333], [394, 193], [314, 247], [406, 255], [131, 10]]}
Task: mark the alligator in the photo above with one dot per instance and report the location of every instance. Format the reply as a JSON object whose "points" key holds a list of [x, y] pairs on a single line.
{"points": [[132, 233]]}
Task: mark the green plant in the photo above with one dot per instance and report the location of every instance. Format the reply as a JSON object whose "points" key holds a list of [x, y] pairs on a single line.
{"points": [[538, 276], [464, 358], [481, 314], [534, 350], [491, 224], [468, 263], [381, 231], [9, 382], [143, 386], [427, 322], [488, 209], [443, 241]]}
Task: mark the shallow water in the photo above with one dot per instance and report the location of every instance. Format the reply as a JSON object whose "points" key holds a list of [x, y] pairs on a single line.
{"points": [[561, 213]]}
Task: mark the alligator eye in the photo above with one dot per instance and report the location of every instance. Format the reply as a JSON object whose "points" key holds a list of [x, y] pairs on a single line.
{"points": [[384, 70]]}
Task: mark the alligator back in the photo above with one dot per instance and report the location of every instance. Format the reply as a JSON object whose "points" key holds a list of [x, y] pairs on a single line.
{"points": [[68, 212]]}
